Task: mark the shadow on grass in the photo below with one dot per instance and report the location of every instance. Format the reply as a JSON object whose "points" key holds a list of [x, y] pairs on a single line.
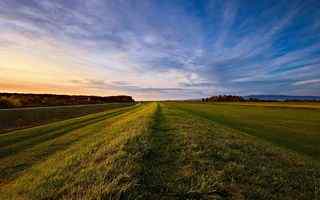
{"points": [[160, 178]]}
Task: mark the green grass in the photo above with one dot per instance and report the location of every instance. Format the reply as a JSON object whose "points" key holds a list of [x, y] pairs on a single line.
{"points": [[11, 119], [150, 151], [288, 125], [19, 150]]}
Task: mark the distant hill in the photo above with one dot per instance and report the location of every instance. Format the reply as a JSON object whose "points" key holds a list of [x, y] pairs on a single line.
{"points": [[15, 100], [283, 98]]}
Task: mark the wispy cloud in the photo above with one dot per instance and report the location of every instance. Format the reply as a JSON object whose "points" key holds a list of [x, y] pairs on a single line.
{"points": [[307, 82]]}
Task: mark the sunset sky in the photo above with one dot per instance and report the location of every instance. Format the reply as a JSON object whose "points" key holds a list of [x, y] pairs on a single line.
{"points": [[160, 49]]}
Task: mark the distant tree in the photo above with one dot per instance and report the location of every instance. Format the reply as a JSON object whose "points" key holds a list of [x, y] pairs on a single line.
{"points": [[9, 102], [4, 103]]}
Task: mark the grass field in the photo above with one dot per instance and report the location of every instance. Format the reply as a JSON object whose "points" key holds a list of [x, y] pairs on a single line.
{"points": [[27, 117], [294, 126], [166, 151]]}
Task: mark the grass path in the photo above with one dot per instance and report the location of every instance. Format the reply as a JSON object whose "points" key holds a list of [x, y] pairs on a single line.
{"points": [[166, 161], [160, 161]]}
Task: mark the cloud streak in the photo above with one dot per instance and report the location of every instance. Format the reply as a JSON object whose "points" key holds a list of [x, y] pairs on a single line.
{"points": [[306, 82]]}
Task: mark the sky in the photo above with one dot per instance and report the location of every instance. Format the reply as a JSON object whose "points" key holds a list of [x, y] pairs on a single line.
{"points": [[160, 49]]}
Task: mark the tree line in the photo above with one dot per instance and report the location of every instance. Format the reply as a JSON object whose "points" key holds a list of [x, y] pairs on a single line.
{"points": [[224, 98], [233, 98], [15, 100]]}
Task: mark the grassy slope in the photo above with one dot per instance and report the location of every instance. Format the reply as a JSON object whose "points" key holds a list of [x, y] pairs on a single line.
{"points": [[159, 151], [11, 119], [294, 128]]}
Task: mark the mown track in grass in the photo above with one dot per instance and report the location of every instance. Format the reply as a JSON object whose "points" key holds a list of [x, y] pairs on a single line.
{"points": [[16, 144], [160, 160], [19, 150], [163, 165], [18, 118]]}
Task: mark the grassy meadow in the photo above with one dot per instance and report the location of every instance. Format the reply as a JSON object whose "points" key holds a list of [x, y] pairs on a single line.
{"points": [[167, 150], [293, 126], [27, 117]]}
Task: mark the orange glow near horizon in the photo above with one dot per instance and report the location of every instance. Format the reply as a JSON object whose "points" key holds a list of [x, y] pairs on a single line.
{"points": [[24, 73]]}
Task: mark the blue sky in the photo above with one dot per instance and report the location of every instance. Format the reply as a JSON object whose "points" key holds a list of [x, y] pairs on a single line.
{"points": [[160, 49]]}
